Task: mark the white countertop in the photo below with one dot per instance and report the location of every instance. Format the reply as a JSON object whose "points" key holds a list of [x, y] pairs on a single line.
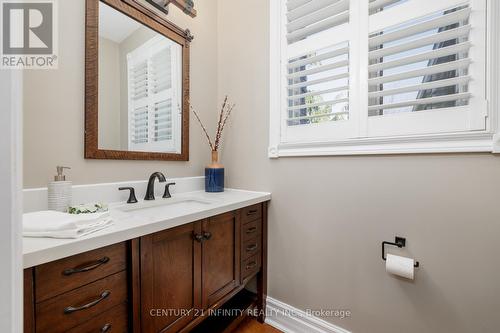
{"points": [[130, 225]]}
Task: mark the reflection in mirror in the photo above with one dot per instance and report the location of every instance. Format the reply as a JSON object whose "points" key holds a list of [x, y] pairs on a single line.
{"points": [[140, 86]]}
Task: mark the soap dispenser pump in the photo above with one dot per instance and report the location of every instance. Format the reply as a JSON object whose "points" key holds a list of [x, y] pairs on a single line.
{"points": [[60, 191]]}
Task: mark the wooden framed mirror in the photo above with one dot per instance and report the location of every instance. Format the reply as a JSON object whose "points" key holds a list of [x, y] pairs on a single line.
{"points": [[136, 84]]}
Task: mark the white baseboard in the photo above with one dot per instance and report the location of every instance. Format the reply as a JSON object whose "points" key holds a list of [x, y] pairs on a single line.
{"points": [[279, 316]]}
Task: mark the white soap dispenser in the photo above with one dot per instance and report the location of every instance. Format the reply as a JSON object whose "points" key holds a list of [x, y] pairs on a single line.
{"points": [[60, 191]]}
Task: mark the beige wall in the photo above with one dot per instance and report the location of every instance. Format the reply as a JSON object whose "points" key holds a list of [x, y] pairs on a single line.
{"points": [[54, 105], [329, 215]]}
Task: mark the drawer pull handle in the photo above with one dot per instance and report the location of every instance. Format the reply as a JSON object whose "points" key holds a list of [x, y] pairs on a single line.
{"points": [[251, 265], [106, 328], [252, 248], [98, 263], [71, 309], [252, 212], [251, 230]]}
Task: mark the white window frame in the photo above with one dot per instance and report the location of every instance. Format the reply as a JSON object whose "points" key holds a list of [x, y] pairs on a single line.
{"points": [[471, 141], [146, 52]]}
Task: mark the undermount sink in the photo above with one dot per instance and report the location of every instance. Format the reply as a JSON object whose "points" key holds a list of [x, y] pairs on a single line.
{"points": [[165, 207]]}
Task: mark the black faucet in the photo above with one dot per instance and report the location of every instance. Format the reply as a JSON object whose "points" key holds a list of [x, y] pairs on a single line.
{"points": [[150, 192]]}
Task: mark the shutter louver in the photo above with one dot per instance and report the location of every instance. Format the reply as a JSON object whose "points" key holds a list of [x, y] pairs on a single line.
{"points": [[163, 121], [379, 5], [139, 124], [307, 18], [161, 71], [421, 65], [162, 83], [140, 81], [318, 86]]}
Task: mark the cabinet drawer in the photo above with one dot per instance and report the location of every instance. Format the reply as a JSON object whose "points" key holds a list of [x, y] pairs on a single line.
{"points": [[74, 308], [251, 213], [251, 230], [251, 266], [251, 247], [63, 275], [111, 321]]}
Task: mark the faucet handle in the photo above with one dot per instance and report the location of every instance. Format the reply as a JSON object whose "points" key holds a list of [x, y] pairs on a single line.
{"points": [[167, 194], [131, 198]]}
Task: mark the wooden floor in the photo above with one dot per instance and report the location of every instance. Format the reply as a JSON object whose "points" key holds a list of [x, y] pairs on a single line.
{"points": [[253, 326]]}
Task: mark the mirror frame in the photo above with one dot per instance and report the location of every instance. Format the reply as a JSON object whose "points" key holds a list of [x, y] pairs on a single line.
{"points": [[163, 27]]}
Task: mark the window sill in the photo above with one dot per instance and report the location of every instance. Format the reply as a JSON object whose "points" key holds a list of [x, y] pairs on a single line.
{"points": [[451, 143]]}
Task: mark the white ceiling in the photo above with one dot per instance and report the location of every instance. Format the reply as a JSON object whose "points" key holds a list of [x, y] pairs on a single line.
{"points": [[114, 25]]}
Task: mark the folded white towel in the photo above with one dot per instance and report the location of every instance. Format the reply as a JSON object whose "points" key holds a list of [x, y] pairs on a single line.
{"points": [[62, 225]]}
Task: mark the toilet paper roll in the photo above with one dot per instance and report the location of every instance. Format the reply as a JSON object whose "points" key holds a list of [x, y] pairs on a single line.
{"points": [[400, 266]]}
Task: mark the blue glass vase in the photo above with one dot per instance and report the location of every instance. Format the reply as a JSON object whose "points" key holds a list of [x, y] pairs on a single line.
{"points": [[214, 175]]}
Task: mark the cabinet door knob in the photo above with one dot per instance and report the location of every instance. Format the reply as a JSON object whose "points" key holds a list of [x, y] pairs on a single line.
{"points": [[71, 309], [198, 237], [98, 263], [207, 235]]}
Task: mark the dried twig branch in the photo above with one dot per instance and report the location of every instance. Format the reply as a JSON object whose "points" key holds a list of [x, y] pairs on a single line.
{"points": [[229, 110], [204, 129], [224, 114], [221, 115]]}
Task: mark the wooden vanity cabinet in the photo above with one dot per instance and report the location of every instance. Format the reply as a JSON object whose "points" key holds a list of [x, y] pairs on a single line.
{"points": [[163, 282], [221, 256], [187, 269], [170, 278]]}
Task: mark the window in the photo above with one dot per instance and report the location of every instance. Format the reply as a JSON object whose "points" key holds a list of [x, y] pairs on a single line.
{"points": [[379, 76], [154, 97]]}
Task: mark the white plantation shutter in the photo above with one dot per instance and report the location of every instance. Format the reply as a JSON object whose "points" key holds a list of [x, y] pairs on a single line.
{"points": [[163, 121], [161, 64], [316, 69], [153, 93], [361, 72], [140, 125], [426, 67], [161, 88], [138, 88]]}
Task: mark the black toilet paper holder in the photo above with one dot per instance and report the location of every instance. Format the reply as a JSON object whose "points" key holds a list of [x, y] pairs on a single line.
{"points": [[399, 242]]}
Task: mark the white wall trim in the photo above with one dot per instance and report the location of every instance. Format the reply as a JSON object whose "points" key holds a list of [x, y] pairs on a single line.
{"points": [[11, 280], [493, 63], [300, 322], [475, 142], [275, 42]]}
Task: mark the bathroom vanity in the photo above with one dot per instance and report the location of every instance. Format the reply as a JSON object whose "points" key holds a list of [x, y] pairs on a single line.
{"points": [[176, 273], [174, 264]]}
